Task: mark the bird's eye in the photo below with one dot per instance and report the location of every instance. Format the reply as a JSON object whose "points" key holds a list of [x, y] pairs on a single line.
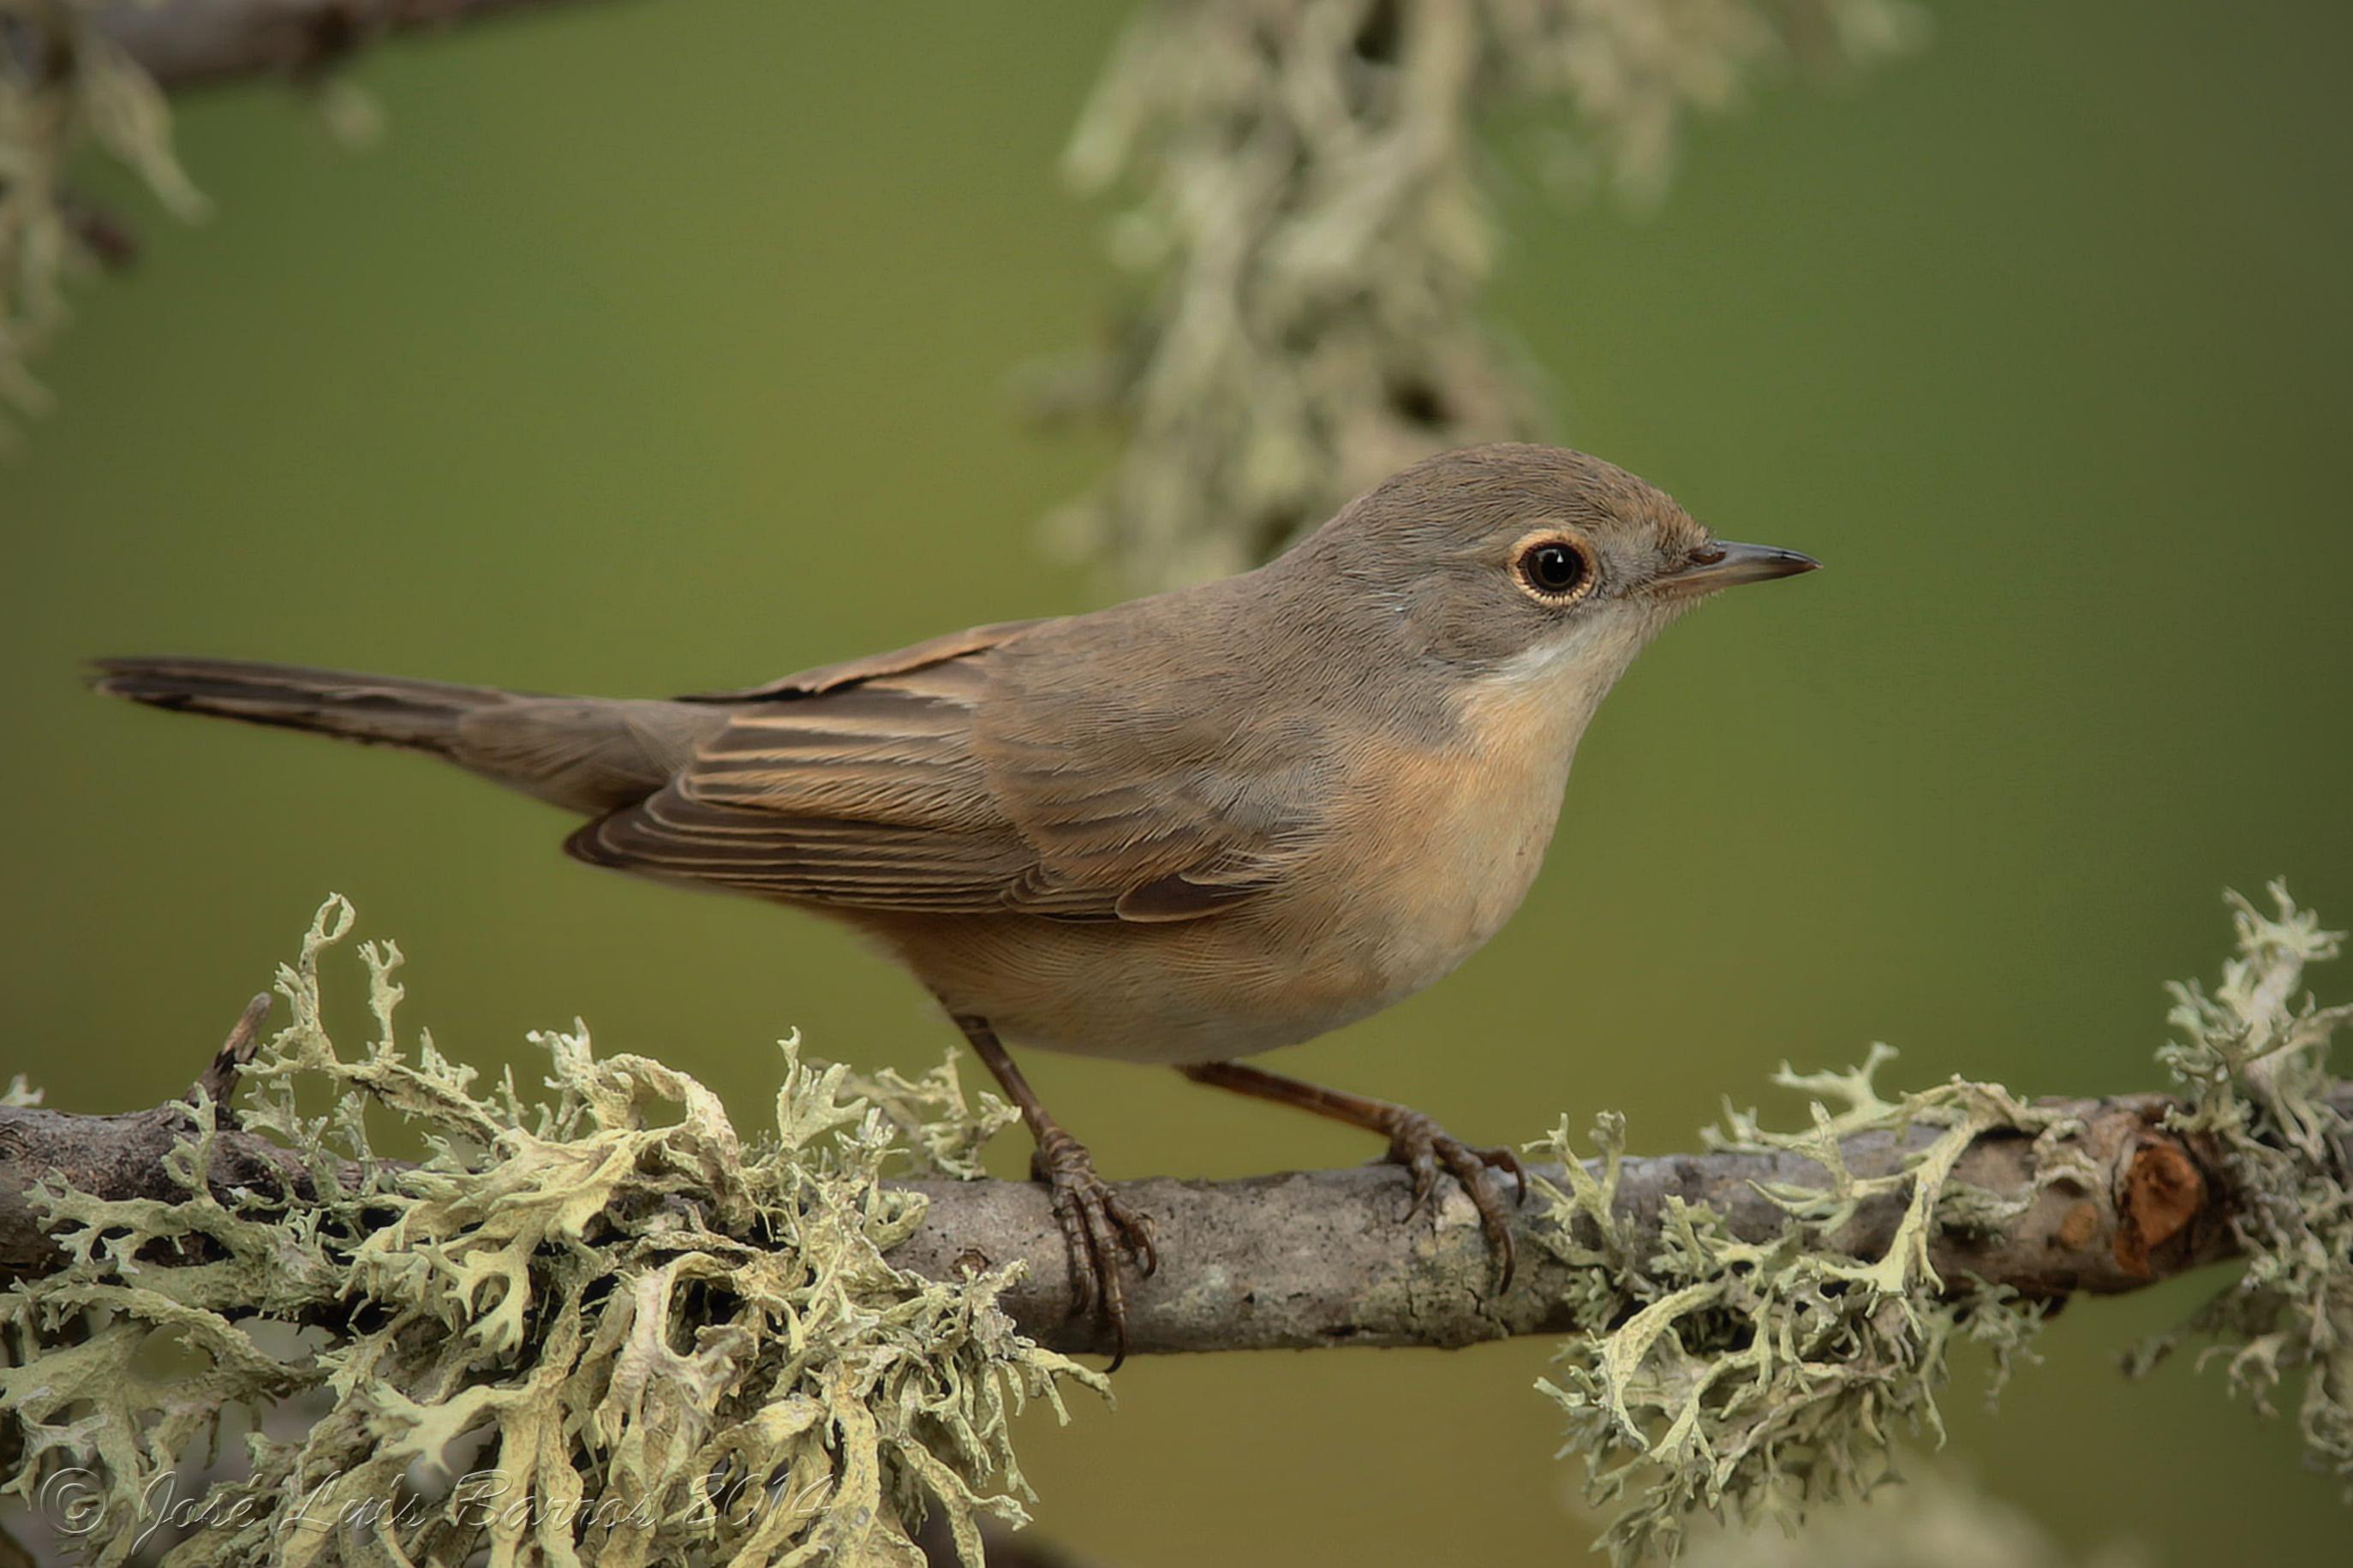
{"points": [[1555, 569]]}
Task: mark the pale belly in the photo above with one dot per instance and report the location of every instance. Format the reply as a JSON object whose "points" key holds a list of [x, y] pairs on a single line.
{"points": [[1418, 875]]}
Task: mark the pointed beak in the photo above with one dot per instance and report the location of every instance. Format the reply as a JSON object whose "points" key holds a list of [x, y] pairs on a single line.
{"points": [[1721, 565]]}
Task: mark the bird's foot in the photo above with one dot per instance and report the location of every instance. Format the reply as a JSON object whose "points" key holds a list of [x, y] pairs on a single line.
{"points": [[1101, 1230], [1424, 1148]]}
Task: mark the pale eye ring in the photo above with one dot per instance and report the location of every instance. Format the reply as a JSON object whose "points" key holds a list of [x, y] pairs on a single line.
{"points": [[1553, 567]]}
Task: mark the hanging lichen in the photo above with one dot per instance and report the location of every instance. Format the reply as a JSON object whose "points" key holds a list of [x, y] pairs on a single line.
{"points": [[1310, 214]]}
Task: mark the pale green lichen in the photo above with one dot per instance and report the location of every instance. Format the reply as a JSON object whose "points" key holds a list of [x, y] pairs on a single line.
{"points": [[2253, 1063], [596, 1328], [642, 1339], [1752, 1379], [940, 1133]]}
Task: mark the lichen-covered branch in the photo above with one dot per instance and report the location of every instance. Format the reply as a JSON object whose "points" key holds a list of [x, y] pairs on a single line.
{"points": [[675, 1341], [1315, 1258], [1322, 1257], [620, 1304]]}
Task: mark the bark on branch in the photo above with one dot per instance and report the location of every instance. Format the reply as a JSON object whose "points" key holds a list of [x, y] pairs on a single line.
{"points": [[189, 43], [1324, 1258]]}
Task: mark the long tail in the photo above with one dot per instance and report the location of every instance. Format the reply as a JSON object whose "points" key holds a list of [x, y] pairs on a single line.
{"points": [[418, 715], [591, 754]]}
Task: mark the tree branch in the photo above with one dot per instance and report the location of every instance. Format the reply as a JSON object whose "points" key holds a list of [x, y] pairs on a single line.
{"points": [[191, 43], [1325, 1257]]}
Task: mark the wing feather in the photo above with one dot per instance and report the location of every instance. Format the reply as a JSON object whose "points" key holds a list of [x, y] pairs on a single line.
{"points": [[825, 678], [954, 777]]}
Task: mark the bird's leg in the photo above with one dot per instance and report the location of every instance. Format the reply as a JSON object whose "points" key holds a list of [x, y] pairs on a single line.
{"points": [[1098, 1227], [1416, 1143]]}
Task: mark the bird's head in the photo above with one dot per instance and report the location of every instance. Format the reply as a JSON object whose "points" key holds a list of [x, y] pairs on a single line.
{"points": [[1523, 563]]}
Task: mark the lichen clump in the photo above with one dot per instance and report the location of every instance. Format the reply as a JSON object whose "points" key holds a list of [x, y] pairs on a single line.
{"points": [[2253, 1063], [1753, 1378], [602, 1329]]}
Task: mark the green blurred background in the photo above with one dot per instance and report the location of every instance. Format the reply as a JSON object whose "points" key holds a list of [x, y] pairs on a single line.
{"points": [[663, 346]]}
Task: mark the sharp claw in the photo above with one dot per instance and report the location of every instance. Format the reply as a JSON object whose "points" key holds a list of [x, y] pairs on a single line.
{"points": [[1488, 1200], [1417, 1144], [1485, 1198], [1114, 1294], [1425, 1184], [1099, 1232], [1136, 1229], [1083, 1269], [1507, 1160]]}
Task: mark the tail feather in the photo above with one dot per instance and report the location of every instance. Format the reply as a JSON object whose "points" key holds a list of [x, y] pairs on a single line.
{"points": [[420, 715], [590, 755]]}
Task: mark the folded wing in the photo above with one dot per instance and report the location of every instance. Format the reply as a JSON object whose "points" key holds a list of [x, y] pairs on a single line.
{"points": [[955, 778]]}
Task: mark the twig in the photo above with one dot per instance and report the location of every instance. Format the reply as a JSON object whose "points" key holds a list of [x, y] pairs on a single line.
{"points": [[217, 1082], [190, 43]]}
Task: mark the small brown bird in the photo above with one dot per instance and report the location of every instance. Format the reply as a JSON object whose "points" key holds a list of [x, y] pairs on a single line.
{"points": [[1184, 829]]}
